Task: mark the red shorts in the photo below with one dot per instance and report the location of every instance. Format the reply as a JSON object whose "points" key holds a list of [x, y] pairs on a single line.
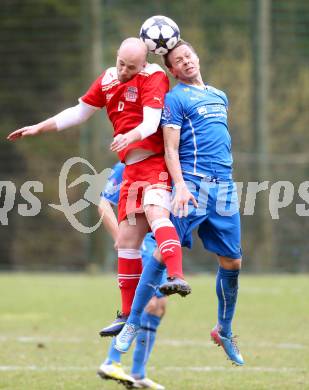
{"points": [[136, 178]]}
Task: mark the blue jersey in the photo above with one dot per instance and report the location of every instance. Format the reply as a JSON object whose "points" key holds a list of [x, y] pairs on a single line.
{"points": [[201, 116], [112, 189]]}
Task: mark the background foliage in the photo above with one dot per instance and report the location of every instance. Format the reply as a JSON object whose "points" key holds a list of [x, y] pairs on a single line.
{"points": [[46, 64]]}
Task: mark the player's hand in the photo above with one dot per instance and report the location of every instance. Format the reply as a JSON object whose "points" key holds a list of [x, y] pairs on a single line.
{"points": [[180, 202], [120, 142], [23, 132]]}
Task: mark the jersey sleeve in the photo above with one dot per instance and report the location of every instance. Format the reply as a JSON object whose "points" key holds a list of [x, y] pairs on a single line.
{"points": [[95, 96], [154, 90], [172, 115], [111, 190], [225, 99]]}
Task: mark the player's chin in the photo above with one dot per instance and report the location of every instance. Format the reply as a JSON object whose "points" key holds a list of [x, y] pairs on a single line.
{"points": [[123, 78], [191, 72]]}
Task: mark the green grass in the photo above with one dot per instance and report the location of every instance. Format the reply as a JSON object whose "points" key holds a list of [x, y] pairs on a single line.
{"points": [[49, 334]]}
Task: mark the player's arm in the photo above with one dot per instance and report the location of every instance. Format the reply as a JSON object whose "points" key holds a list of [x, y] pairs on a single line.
{"points": [[152, 98], [182, 194], [70, 117], [109, 219], [150, 124]]}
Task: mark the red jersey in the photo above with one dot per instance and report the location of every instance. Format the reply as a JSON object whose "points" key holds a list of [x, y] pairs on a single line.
{"points": [[124, 102]]}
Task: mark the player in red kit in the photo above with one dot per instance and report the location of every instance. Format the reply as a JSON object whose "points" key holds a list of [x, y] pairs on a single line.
{"points": [[133, 95]]}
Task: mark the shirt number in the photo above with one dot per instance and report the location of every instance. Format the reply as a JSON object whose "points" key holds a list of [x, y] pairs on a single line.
{"points": [[120, 106]]}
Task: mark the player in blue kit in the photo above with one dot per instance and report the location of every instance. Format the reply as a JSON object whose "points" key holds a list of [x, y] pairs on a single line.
{"points": [[111, 367], [199, 159]]}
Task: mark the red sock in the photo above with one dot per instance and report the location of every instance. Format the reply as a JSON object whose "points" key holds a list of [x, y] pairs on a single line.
{"points": [[129, 272], [169, 246]]}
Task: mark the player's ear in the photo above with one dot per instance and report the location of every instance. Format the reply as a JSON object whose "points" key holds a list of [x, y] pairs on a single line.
{"points": [[173, 72]]}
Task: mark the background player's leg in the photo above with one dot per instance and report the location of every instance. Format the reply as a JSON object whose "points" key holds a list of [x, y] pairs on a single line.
{"points": [[113, 355], [150, 321], [111, 368], [150, 279]]}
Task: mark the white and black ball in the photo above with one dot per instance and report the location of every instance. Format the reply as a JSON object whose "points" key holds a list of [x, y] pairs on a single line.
{"points": [[160, 34]]}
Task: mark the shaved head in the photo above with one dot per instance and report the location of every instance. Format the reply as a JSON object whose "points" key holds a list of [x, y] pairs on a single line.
{"points": [[133, 48], [131, 58]]}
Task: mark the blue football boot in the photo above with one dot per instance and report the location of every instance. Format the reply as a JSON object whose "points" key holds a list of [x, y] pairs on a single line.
{"points": [[115, 327], [126, 337], [229, 345]]}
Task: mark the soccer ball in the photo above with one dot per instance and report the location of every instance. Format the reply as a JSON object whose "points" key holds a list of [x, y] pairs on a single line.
{"points": [[160, 34]]}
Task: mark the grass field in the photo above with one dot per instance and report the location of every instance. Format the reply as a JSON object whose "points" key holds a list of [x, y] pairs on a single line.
{"points": [[49, 334]]}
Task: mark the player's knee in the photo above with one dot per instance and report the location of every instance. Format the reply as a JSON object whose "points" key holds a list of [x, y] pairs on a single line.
{"points": [[162, 307], [229, 263], [152, 306], [156, 306], [129, 241], [236, 264]]}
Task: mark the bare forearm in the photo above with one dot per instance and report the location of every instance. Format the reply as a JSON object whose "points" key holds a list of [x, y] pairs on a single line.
{"points": [[109, 219], [70, 117], [42, 127], [111, 227], [173, 165], [150, 124], [47, 125]]}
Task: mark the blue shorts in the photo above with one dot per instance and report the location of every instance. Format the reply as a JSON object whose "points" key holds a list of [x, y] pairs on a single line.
{"points": [[148, 247], [217, 217]]}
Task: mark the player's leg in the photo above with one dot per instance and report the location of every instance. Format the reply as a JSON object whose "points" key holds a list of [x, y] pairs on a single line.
{"points": [[129, 268], [221, 234], [227, 291], [111, 368], [151, 276], [150, 279], [145, 340], [157, 206]]}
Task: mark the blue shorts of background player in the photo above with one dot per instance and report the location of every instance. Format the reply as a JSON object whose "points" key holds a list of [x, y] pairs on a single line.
{"points": [[111, 367]]}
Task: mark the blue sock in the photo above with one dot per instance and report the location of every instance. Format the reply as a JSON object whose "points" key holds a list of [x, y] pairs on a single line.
{"points": [[150, 279], [144, 343], [226, 288], [113, 354]]}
